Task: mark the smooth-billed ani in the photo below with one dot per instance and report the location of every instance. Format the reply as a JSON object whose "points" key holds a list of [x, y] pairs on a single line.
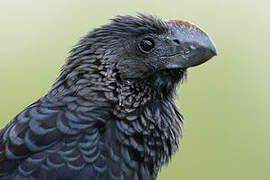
{"points": [[111, 112]]}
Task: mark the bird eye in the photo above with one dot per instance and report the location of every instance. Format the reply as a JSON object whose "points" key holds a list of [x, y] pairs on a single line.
{"points": [[146, 45]]}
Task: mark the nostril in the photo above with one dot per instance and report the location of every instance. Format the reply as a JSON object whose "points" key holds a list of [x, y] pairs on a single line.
{"points": [[176, 41]]}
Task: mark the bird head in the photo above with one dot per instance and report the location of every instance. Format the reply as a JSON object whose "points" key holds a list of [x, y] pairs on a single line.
{"points": [[146, 45], [143, 49]]}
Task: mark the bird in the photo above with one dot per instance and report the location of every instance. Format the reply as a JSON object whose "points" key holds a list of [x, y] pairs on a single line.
{"points": [[111, 113]]}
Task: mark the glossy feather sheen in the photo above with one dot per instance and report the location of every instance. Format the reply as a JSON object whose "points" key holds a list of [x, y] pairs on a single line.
{"points": [[93, 124]]}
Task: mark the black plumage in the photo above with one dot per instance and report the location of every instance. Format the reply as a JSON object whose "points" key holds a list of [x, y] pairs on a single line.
{"points": [[110, 114]]}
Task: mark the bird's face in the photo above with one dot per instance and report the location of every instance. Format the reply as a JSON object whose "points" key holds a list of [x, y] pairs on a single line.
{"points": [[159, 46]]}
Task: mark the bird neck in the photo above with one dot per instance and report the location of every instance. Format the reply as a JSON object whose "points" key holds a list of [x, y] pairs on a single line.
{"points": [[148, 126], [144, 116]]}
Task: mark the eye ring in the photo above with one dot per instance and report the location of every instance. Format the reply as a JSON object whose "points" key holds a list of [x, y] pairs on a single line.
{"points": [[146, 45]]}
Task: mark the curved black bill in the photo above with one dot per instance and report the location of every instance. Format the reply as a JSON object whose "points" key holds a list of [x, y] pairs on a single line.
{"points": [[195, 47]]}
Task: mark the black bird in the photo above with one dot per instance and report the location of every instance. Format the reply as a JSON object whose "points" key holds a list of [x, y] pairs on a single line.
{"points": [[110, 115]]}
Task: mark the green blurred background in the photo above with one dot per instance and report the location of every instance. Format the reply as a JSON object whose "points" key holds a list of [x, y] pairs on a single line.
{"points": [[225, 101]]}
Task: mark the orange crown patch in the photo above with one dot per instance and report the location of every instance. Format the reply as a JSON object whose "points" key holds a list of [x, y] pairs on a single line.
{"points": [[183, 23]]}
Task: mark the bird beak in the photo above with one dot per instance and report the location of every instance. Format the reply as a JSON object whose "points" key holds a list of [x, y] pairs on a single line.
{"points": [[190, 45]]}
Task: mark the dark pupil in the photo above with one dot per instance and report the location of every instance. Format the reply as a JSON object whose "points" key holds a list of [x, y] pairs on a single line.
{"points": [[146, 44]]}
